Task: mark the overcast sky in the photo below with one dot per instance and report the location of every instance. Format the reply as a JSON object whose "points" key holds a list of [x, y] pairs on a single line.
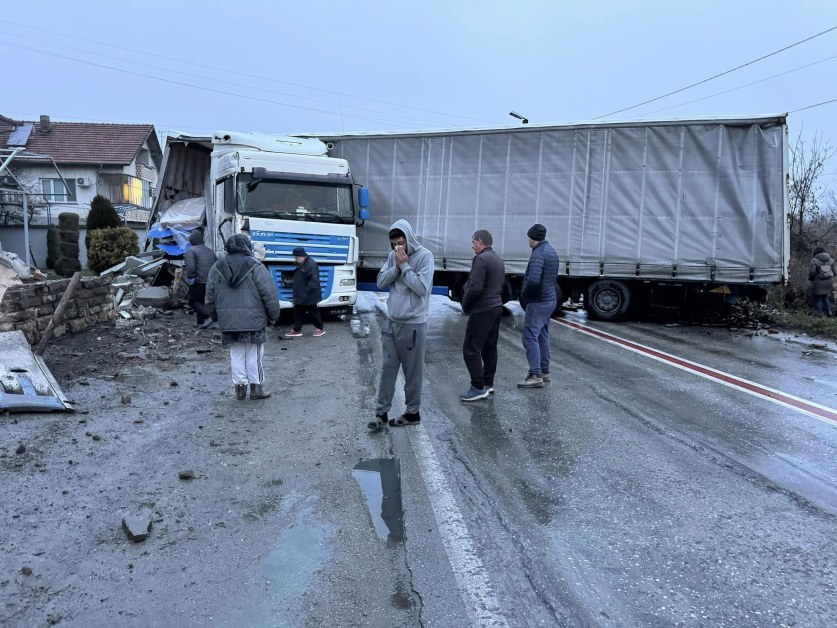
{"points": [[324, 66]]}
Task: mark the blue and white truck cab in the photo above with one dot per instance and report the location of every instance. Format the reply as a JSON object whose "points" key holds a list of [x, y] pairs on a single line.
{"points": [[284, 192]]}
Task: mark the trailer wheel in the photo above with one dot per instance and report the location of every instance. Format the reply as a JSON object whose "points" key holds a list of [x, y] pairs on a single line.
{"points": [[609, 300], [507, 291], [559, 300]]}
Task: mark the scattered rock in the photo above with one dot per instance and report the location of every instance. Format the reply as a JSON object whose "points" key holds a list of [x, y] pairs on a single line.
{"points": [[21, 449], [126, 400], [137, 527], [26, 571], [173, 383], [187, 475]]}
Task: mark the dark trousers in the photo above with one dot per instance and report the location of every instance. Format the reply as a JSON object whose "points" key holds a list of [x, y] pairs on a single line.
{"points": [[480, 347], [197, 296], [306, 313]]}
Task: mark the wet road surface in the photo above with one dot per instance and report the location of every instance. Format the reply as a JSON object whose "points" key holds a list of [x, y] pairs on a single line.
{"points": [[625, 492], [630, 492]]}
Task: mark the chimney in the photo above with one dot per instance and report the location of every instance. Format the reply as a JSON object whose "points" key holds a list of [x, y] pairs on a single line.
{"points": [[44, 124]]}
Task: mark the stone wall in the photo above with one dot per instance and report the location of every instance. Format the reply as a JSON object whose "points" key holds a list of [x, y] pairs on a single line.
{"points": [[29, 307]]}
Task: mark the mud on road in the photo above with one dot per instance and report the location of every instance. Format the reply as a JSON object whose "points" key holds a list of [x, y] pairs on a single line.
{"points": [[155, 401]]}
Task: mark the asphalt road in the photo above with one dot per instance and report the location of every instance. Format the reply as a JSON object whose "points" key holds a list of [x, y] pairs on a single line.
{"points": [[626, 492]]}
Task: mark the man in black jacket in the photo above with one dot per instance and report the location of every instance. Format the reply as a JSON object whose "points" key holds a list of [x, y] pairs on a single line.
{"points": [[482, 301], [307, 293], [198, 260]]}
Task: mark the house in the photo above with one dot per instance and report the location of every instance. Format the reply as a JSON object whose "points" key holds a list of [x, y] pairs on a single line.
{"points": [[118, 161]]}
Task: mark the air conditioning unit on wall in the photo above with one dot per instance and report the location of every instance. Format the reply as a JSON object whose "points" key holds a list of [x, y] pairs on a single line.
{"points": [[83, 181]]}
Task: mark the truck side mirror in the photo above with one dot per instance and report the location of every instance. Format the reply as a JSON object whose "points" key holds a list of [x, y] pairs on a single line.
{"points": [[363, 199], [363, 214]]}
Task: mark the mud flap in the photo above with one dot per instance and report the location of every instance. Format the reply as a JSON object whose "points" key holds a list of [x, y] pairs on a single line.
{"points": [[26, 384]]}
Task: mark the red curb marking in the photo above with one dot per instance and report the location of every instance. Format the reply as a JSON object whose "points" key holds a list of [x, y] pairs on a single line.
{"points": [[817, 410]]}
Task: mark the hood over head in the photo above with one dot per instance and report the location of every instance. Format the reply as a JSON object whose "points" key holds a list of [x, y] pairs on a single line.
{"points": [[404, 227], [196, 237], [239, 261], [239, 243]]}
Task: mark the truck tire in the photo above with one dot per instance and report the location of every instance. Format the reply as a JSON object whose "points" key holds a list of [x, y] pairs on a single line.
{"points": [[559, 299], [506, 291], [609, 300]]}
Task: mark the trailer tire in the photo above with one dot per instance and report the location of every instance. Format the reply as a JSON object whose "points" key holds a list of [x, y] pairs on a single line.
{"points": [[609, 300], [506, 291], [559, 300]]}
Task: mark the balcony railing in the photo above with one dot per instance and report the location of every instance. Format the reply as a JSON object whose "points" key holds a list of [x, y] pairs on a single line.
{"points": [[123, 189]]}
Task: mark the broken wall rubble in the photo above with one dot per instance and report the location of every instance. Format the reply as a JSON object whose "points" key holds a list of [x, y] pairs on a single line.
{"points": [[30, 306]]}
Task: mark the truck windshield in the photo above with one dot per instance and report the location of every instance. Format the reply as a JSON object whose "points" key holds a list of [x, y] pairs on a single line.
{"points": [[294, 200]]}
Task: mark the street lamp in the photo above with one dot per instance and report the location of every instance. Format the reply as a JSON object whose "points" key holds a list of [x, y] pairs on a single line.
{"points": [[514, 114]]}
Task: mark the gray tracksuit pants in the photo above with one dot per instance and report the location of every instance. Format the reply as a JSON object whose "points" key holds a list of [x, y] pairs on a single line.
{"points": [[402, 345]]}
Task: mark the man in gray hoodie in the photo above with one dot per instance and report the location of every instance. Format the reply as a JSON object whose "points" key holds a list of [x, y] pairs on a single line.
{"points": [[408, 273]]}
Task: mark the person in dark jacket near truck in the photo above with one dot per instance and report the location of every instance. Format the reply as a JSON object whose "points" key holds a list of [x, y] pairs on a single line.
{"points": [[821, 272], [307, 293], [198, 260], [241, 296], [482, 301], [539, 298]]}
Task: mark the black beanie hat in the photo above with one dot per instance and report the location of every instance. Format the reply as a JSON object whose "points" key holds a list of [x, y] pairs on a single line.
{"points": [[537, 232], [299, 252]]}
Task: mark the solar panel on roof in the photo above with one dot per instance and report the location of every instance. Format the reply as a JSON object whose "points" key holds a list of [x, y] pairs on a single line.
{"points": [[20, 135]]}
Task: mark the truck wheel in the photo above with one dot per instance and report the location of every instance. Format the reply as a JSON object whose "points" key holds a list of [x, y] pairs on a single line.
{"points": [[609, 300], [559, 300], [507, 291]]}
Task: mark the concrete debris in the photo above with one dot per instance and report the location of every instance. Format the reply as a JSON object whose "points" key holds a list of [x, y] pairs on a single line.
{"points": [[21, 449], [187, 475], [137, 527]]}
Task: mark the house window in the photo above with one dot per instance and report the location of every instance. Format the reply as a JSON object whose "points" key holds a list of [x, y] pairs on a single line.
{"points": [[55, 192]]}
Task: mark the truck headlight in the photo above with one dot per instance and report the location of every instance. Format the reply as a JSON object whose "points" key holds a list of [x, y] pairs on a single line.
{"points": [[347, 282]]}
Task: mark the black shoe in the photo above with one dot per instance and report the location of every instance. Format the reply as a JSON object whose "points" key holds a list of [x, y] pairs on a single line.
{"points": [[241, 391], [408, 418], [257, 391], [380, 421]]}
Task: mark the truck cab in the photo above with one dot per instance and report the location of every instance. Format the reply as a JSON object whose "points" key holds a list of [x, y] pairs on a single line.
{"points": [[284, 192]]}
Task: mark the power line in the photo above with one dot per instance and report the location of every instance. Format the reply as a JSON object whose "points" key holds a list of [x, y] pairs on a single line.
{"points": [[711, 78], [819, 104], [232, 83], [238, 72], [727, 91], [200, 87]]}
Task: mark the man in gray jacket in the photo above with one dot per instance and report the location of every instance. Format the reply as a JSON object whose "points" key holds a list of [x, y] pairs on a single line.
{"points": [[408, 273], [198, 259], [482, 300], [243, 299]]}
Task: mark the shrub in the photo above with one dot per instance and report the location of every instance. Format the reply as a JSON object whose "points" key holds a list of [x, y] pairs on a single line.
{"points": [[68, 261], [101, 215], [53, 246], [109, 246]]}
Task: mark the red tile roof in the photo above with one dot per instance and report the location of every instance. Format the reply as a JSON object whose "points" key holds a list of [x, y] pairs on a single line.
{"points": [[86, 143]]}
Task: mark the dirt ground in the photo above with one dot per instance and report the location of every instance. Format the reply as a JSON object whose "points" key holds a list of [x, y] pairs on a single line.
{"points": [[124, 379]]}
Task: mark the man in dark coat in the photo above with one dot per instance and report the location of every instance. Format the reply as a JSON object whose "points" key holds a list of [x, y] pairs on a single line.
{"points": [[482, 301], [539, 298], [198, 260], [242, 297], [821, 271], [307, 293]]}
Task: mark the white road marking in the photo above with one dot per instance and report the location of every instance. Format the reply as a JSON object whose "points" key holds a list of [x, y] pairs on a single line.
{"points": [[471, 578], [818, 411]]}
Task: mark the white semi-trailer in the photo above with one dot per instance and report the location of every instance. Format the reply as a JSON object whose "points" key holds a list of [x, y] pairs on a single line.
{"points": [[640, 213]]}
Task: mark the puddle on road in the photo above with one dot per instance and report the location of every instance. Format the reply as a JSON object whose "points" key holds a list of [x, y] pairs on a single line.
{"points": [[380, 481]]}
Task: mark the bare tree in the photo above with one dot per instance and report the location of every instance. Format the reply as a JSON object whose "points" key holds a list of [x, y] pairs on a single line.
{"points": [[11, 203], [806, 191]]}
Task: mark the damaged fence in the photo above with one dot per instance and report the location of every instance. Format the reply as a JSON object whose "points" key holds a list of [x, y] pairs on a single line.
{"points": [[29, 307]]}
